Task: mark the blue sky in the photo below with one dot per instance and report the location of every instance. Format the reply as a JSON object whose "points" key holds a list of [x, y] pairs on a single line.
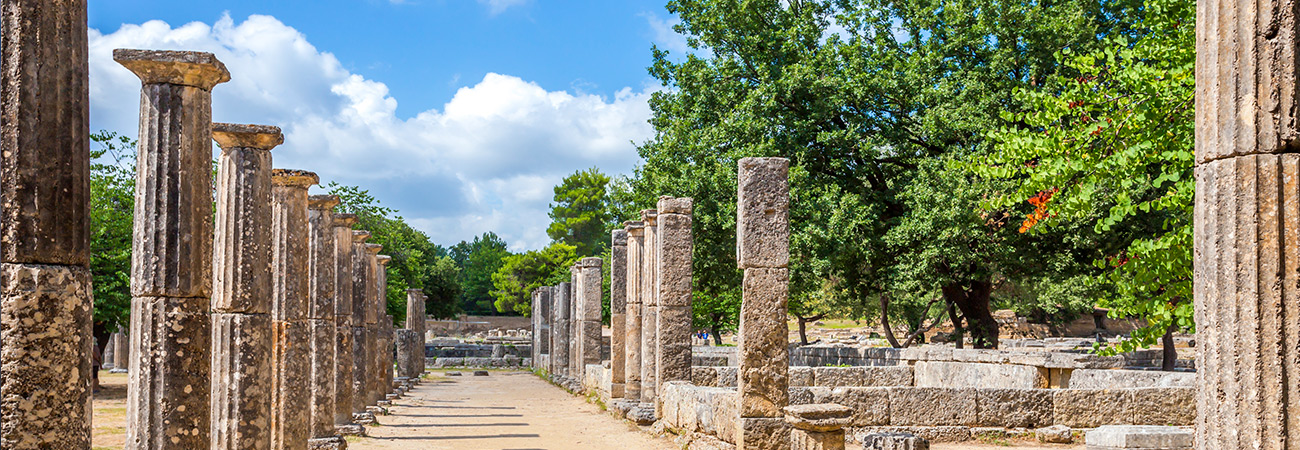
{"points": [[460, 113]]}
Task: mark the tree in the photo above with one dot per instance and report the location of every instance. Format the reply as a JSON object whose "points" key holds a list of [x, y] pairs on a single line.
{"points": [[520, 274], [1111, 147], [112, 208], [580, 216], [478, 260], [417, 263]]}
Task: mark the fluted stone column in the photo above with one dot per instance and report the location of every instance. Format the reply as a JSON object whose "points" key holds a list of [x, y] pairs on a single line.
{"points": [[360, 301], [45, 288], [291, 330], [763, 252], [536, 323], [324, 364], [168, 399], [617, 312], [343, 306], [560, 341], [649, 310], [122, 356], [374, 331], [384, 356], [674, 249], [242, 291], [589, 311], [632, 321], [417, 321], [110, 352]]}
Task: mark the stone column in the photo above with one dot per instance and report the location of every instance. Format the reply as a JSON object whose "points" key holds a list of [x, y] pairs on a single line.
{"points": [[417, 322], [632, 322], [321, 270], [110, 352], [361, 362], [241, 288], [589, 311], [45, 290], [575, 322], [649, 310], [290, 308], [535, 322], [374, 332], [168, 399], [674, 249], [617, 312], [818, 427], [343, 305], [560, 341], [384, 381], [122, 356], [763, 252], [1247, 223]]}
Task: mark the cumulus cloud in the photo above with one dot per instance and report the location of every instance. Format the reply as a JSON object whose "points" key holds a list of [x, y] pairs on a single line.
{"points": [[484, 161], [664, 36], [499, 6]]}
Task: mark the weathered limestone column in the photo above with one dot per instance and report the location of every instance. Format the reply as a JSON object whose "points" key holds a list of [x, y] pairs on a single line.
{"points": [[763, 252], [649, 310], [122, 355], [321, 271], [373, 374], [560, 341], [589, 311], [242, 291], [343, 306], [361, 362], [819, 426], [617, 312], [290, 309], [575, 322], [632, 322], [674, 248], [110, 351], [417, 322], [535, 322], [168, 399], [384, 380], [45, 295]]}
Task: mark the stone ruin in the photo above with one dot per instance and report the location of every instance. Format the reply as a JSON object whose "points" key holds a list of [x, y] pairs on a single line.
{"points": [[220, 355], [192, 279]]}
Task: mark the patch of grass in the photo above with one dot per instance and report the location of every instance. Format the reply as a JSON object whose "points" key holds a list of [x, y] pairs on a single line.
{"points": [[594, 398]]}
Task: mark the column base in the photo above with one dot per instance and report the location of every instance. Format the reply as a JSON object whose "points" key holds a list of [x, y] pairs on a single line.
{"points": [[762, 433], [351, 429], [329, 443], [642, 414], [616, 390], [365, 418]]}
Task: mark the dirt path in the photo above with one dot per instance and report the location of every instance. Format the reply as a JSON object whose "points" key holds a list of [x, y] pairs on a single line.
{"points": [[506, 410]]}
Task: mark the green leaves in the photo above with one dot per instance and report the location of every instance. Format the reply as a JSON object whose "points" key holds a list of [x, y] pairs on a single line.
{"points": [[520, 274], [581, 213]]}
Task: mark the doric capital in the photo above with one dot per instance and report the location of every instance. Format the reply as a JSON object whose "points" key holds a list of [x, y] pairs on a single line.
{"points": [[649, 216], [197, 69], [260, 137], [374, 249], [322, 201], [676, 205], [360, 236], [591, 262], [344, 220], [383, 260], [295, 178]]}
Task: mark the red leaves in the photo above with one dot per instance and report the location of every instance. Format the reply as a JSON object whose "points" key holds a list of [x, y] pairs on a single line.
{"points": [[1040, 209]]}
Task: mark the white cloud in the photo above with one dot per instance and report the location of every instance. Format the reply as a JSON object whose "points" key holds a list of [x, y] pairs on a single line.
{"points": [[499, 6], [484, 161], [664, 36]]}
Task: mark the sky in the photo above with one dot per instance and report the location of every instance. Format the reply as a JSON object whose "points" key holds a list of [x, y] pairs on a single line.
{"points": [[461, 114]]}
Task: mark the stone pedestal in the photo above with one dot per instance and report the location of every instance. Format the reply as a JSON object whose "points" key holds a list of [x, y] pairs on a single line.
{"points": [[1247, 223], [321, 319], [292, 336], [649, 308], [242, 293], [168, 399], [762, 244], [632, 320], [618, 313], [818, 427]]}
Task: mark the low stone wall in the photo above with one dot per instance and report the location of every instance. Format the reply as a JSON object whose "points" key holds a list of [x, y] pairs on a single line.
{"points": [[813, 376], [1112, 379], [711, 410], [461, 350], [502, 362], [979, 375], [1059, 359]]}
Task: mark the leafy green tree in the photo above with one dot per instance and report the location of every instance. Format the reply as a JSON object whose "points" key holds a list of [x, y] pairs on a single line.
{"points": [[112, 207], [580, 216], [417, 263], [1111, 146], [478, 260], [520, 274]]}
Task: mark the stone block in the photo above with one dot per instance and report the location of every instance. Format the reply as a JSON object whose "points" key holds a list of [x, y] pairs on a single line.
{"points": [[45, 325], [801, 376], [764, 361], [932, 406], [704, 376], [936, 434], [870, 405], [819, 417], [1118, 378], [674, 344], [1055, 434], [1161, 406], [762, 213], [762, 434], [675, 205], [801, 395], [1014, 408], [894, 441], [861, 376], [977, 375], [1139, 437], [292, 376], [673, 259], [171, 366]]}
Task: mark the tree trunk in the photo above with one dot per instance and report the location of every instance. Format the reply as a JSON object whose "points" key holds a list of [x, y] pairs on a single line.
{"points": [[1170, 359], [803, 326], [100, 332], [974, 305], [958, 332], [884, 321]]}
